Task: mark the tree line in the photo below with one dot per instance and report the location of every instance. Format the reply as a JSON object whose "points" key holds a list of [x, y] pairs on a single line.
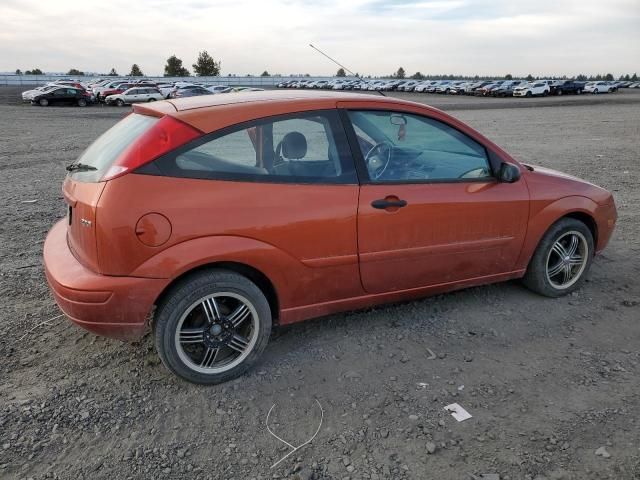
{"points": [[207, 66]]}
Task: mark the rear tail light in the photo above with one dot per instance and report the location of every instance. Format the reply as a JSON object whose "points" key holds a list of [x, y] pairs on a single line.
{"points": [[166, 135]]}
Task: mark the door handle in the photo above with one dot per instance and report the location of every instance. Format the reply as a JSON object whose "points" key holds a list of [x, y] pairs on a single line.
{"points": [[389, 202]]}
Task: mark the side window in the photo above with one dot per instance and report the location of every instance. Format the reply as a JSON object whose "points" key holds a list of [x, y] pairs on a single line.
{"points": [[309, 147], [401, 147]]}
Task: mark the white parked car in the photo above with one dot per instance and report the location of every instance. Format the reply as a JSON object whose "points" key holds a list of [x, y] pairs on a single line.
{"points": [[531, 89], [420, 87], [408, 86], [598, 87], [219, 88], [28, 95], [443, 87], [134, 95]]}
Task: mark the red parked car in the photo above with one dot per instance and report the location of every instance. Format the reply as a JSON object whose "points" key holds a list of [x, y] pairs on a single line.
{"points": [[116, 90], [231, 213]]}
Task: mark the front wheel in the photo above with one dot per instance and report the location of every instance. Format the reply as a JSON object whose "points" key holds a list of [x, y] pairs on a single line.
{"points": [[529, 94], [43, 102], [120, 102], [212, 327], [562, 259]]}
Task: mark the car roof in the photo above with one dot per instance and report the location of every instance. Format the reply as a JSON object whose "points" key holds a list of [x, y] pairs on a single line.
{"points": [[243, 106], [325, 99]]}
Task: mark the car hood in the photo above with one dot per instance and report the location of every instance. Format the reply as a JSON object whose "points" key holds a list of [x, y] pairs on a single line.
{"points": [[573, 185]]}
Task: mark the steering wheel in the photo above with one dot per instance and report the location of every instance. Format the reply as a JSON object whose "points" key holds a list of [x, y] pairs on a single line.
{"points": [[478, 172], [376, 163]]}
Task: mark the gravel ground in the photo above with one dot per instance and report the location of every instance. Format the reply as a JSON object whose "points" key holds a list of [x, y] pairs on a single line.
{"points": [[552, 384]]}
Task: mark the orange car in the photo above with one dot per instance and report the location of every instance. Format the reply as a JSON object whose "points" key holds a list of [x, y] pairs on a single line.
{"points": [[229, 213]]}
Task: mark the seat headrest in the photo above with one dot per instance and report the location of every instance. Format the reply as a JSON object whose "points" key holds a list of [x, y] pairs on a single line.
{"points": [[294, 145]]}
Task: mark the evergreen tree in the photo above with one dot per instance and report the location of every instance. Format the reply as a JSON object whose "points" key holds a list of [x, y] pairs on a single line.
{"points": [[135, 71], [206, 66], [174, 68]]}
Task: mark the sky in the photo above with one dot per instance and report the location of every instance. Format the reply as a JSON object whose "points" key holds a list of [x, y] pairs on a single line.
{"points": [[371, 37]]}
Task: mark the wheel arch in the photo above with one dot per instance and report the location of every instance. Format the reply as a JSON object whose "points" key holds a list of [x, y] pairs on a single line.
{"points": [[585, 218], [256, 276], [577, 207]]}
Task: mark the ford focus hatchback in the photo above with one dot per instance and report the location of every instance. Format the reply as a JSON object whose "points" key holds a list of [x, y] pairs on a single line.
{"points": [[213, 218]]}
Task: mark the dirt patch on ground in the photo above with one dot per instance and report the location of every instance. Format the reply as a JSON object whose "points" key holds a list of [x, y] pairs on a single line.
{"points": [[548, 382]]}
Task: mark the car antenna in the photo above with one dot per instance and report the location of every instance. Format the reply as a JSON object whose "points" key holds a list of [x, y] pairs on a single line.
{"points": [[342, 66]]}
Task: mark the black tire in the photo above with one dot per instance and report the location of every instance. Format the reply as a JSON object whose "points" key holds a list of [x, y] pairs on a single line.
{"points": [[43, 102], [120, 102], [529, 94], [82, 102], [151, 100], [185, 297], [559, 92], [545, 93], [595, 92], [537, 279]]}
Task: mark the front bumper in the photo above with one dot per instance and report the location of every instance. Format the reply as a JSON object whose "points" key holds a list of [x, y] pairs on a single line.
{"points": [[606, 217], [115, 307]]}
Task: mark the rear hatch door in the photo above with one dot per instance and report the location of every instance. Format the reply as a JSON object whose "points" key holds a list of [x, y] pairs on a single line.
{"points": [[82, 201]]}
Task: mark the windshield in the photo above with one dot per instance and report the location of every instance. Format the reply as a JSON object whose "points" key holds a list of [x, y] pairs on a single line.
{"points": [[102, 153]]}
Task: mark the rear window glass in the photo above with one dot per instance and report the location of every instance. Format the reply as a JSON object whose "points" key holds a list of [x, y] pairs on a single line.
{"points": [[102, 153]]}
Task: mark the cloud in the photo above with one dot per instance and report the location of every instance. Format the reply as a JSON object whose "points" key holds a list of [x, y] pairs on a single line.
{"points": [[369, 36]]}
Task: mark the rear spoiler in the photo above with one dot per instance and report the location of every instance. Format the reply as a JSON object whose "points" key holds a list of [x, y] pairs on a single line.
{"points": [[155, 109]]}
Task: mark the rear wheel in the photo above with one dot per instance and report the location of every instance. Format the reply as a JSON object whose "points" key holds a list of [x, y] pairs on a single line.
{"points": [[562, 259], [82, 102], [43, 102], [212, 327]]}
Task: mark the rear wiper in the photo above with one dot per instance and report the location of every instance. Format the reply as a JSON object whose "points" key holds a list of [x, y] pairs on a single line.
{"points": [[79, 167]]}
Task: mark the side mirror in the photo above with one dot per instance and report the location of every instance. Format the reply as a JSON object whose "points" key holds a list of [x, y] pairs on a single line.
{"points": [[508, 173]]}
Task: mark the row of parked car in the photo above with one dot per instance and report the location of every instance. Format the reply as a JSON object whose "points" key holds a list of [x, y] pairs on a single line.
{"points": [[119, 92], [494, 88]]}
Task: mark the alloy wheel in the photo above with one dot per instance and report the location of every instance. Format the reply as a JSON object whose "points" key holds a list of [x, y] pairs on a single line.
{"points": [[217, 333], [567, 259]]}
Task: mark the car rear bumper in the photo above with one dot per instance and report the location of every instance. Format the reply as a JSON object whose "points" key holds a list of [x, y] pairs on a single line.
{"points": [[115, 307]]}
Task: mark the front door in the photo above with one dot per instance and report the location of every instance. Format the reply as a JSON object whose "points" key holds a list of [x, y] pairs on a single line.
{"points": [[431, 210]]}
